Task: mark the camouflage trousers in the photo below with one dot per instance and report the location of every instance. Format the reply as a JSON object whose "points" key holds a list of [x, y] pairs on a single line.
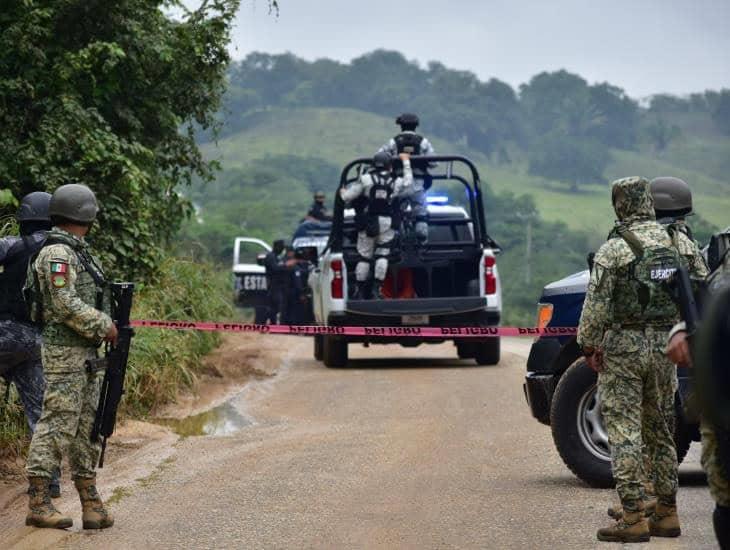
{"points": [[69, 408], [716, 477], [637, 388]]}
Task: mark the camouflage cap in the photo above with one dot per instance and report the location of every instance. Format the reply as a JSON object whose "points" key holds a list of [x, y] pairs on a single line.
{"points": [[632, 200]]}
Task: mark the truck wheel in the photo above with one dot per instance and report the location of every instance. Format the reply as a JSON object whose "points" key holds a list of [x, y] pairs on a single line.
{"points": [[487, 353], [318, 347], [334, 351], [577, 426]]}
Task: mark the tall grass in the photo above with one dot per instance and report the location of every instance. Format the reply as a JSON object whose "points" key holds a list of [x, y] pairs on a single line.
{"points": [[161, 362]]}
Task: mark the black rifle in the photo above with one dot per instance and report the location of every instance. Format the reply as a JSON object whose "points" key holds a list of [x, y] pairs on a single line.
{"points": [[685, 296], [114, 364]]}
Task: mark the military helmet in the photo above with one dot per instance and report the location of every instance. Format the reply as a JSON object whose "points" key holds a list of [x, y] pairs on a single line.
{"points": [[74, 202], [382, 161], [408, 120], [319, 195], [34, 207], [672, 196]]}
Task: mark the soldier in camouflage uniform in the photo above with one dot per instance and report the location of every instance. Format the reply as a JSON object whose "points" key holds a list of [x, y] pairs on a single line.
{"points": [[66, 286], [678, 352], [625, 321]]}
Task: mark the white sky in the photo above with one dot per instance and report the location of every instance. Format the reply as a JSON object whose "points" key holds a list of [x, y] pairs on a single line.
{"points": [[644, 46]]}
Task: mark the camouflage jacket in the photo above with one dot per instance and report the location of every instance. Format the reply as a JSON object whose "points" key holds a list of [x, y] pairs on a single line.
{"points": [[69, 293], [634, 207]]}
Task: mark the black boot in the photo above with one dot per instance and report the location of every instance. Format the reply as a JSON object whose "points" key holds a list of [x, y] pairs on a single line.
{"points": [[378, 291], [361, 291], [721, 521]]}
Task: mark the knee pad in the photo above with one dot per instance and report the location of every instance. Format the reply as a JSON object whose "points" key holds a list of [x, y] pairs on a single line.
{"points": [[362, 270], [381, 268]]}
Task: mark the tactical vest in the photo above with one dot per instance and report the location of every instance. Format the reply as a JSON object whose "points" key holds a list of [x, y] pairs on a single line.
{"points": [[12, 279], [379, 197], [641, 296], [90, 287], [408, 142]]}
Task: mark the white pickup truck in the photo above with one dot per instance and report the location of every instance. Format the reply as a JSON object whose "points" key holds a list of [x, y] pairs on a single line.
{"points": [[453, 279]]}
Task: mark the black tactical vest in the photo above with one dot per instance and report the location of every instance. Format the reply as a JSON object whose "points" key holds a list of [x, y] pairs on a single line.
{"points": [[12, 279], [380, 196], [408, 142]]}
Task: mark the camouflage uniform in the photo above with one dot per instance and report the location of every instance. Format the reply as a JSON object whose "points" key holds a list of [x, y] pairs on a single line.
{"points": [[637, 384], [73, 330]]}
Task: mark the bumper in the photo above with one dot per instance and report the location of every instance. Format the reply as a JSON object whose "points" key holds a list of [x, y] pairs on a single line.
{"points": [[479, 318], [539, 389]]}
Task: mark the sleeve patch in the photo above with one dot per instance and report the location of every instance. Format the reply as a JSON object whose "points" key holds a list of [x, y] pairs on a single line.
{"points": [[59, 267], [58, 280]]}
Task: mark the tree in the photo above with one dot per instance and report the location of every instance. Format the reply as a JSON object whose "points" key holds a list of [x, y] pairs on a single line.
{"points": [[661, 134], [721, 112], [108, 94]]}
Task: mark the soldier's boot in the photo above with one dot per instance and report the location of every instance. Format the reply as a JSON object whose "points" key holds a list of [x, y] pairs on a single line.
{"points": [[664, 522], [721, 522], [378, 290], [94, 515], [361, 288], [41, 513], [632, 527], [617, 511]]}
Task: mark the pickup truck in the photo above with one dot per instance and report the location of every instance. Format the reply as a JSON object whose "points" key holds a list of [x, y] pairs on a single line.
{"points": [[560, 388], [454, 276]]}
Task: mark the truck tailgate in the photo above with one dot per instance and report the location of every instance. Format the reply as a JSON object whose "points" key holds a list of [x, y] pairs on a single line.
{"points": [[417, 306]]}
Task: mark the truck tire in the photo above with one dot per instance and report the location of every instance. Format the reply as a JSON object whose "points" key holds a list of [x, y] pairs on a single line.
{"points": [[334, 351], [577, 426], [318, 347], [487, 353], [466, 351], [578, 430]]}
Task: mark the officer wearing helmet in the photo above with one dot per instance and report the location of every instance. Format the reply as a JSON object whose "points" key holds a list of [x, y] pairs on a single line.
{"points": [[380, 188], [20, 348], [318, 211], [672, 202], [411, 143], [65, 288]]}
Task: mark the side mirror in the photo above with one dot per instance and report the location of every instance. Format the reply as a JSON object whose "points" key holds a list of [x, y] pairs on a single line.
{"points": [[260, 259]]}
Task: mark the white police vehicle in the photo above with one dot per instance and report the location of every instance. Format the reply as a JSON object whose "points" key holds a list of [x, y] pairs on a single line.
{"points": [[453, 278], [249, 275]]}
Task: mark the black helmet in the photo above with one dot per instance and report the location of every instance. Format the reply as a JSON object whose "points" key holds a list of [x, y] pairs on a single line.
{"points": [[74, 202], [382, 161], [672, 197], [279, 245], [408, 120], [34, 207]]}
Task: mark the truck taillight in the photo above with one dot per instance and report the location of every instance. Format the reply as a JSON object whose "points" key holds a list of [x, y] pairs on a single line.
{"points": [[337, 286], [490, 279]]}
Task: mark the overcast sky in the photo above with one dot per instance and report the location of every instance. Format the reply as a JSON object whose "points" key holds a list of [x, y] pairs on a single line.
{"points": [[644, 46]]}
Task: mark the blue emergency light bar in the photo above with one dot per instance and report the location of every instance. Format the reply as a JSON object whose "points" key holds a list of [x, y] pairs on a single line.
{"points": [[437, 199]]}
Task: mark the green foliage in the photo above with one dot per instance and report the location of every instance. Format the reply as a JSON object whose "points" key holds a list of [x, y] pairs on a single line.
{"points": [[563, 157], [721, 112], [163, 362], [107, 93]]}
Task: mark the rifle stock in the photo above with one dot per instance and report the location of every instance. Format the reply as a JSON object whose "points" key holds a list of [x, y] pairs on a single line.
{"points": [[686, 300], [112, 387]]}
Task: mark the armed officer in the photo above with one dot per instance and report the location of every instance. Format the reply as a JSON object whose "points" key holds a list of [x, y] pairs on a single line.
{"points": [[713, 336], [623, 328], [413, 144], [318, 212], [277, 280], [20, 345], [65, 287], [380, 187]]}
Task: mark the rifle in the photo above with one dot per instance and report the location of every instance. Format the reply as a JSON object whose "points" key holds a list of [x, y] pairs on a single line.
{"points": [[114, 364], [685, 296]]}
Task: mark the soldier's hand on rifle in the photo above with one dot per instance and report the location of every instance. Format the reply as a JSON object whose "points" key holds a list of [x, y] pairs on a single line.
{"points": [[594, 358], [678, 350], [404, 156], [112, 335]]}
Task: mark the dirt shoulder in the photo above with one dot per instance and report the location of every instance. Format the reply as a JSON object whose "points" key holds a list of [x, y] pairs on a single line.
{"points": [[139, 450]]}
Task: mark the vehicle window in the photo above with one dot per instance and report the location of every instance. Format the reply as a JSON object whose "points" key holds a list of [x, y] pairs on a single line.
{"points": [[450, 233], [247, 252]]}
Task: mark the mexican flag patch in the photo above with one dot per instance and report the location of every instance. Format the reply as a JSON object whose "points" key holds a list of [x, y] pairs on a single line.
{"points": [[59, 270]]}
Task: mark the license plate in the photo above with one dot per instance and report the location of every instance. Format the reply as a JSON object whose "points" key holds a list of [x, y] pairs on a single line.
{"points": [[414, 319]]}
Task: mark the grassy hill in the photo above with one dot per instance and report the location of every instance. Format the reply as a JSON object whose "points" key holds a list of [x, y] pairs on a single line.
{"points": [[338, 135]]}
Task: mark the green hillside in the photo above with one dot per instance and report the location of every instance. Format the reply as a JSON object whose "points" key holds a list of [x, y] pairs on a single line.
{"points": [[338, 135]]}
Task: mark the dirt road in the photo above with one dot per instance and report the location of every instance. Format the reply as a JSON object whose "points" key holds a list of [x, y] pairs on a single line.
{"points": [[415, 451]]}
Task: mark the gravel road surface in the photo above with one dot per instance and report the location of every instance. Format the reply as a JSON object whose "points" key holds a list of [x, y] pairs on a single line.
{"points": [[406, 448]]}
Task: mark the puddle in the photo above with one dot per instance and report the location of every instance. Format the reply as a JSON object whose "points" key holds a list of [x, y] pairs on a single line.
{"points": [[224, 419]]}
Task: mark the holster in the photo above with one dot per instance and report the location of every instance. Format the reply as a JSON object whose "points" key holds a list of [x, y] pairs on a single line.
{"points": [[96, 365]]}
